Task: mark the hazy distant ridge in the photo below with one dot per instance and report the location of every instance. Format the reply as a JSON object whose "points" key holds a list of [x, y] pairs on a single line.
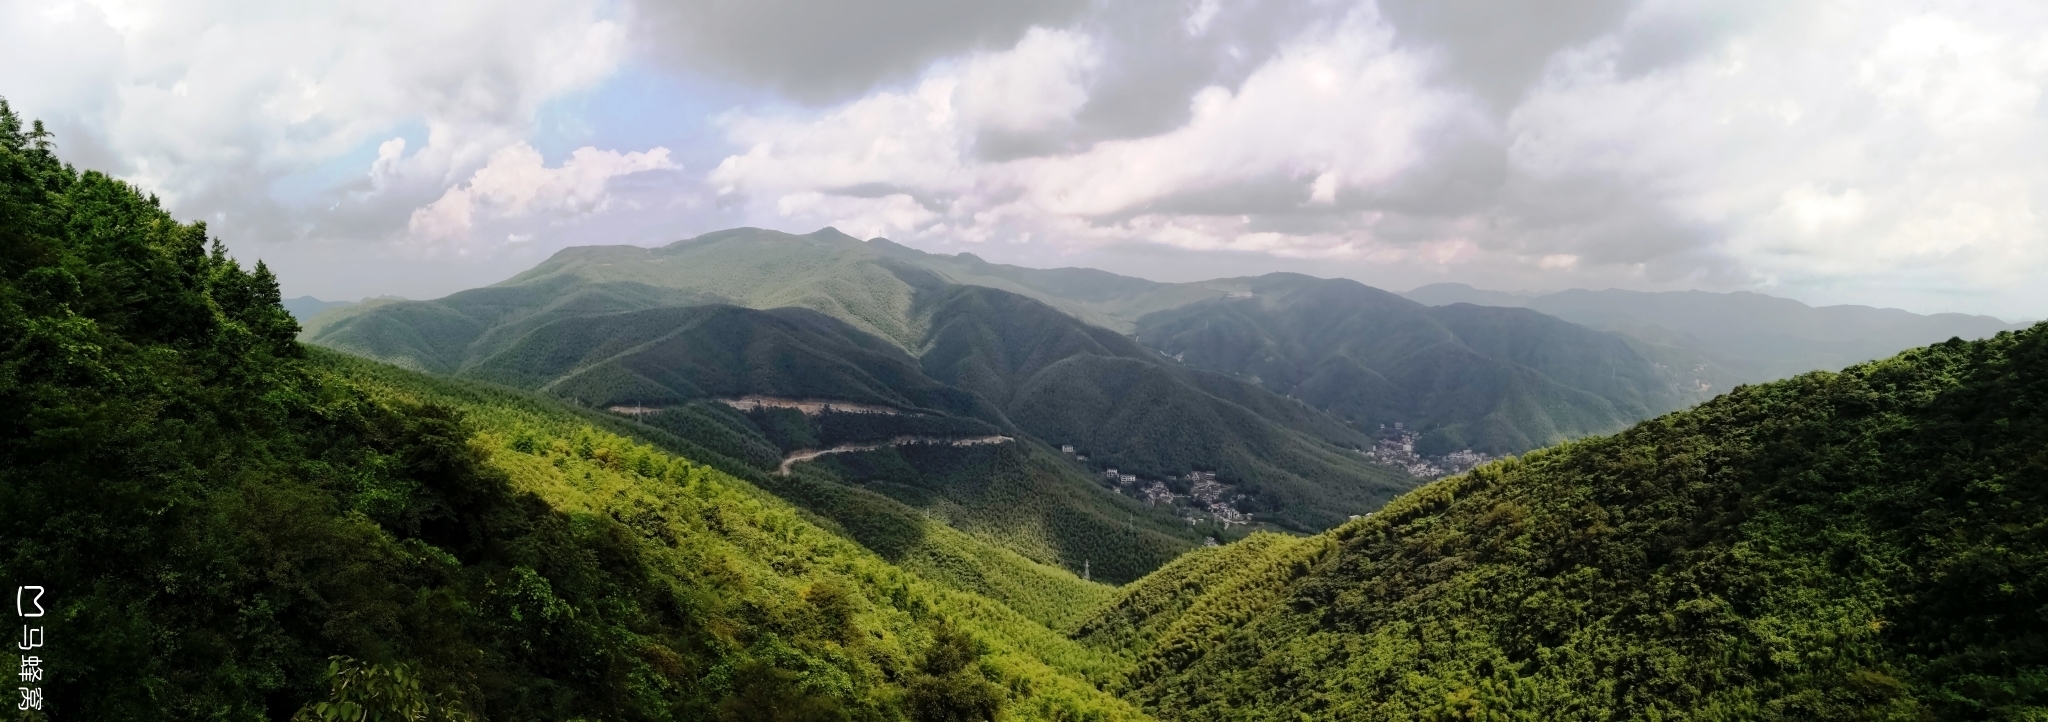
{"points": [[1760, 337]]}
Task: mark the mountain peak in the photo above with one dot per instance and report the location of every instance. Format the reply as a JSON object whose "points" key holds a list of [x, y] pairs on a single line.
{"points": [[830, 233]]}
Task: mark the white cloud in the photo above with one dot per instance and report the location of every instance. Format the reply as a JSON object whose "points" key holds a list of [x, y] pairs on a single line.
{"points": [[1033, 87], [1872, 151], [208, 103], [517, 185], [1338, 111]]}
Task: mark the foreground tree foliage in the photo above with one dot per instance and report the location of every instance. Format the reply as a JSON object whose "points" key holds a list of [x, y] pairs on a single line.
{"points": [[230, 528], [1870, 544]]}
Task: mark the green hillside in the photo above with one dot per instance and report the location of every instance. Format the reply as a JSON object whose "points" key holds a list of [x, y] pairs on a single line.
{"points": [[229, 528], [665, 356], [1867, 544], [1499, 380]]}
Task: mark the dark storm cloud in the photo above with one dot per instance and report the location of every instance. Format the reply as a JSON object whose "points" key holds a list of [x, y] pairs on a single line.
{"points": [[823, 50]]}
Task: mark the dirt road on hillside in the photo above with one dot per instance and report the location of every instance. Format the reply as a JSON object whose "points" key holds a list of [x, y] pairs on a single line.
{"points": [[802, 455]]}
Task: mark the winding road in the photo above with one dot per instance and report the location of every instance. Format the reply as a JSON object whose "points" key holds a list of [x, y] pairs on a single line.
{"points": [[801, 455]]}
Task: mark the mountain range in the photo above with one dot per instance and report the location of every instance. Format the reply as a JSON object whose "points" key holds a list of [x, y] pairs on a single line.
{"points": [[899, 295], [1278, 386], [1499, 380], [677, 334], [306, 307]]}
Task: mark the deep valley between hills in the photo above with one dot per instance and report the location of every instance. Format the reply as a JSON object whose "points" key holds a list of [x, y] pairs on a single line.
{"points": [[465, 509]]}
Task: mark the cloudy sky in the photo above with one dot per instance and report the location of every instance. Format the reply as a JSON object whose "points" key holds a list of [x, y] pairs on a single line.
{"points": [[1884, 152]]}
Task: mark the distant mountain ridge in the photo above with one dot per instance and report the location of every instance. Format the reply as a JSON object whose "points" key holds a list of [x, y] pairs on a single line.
{"points": [[1759, 337], [1495, 379], [304, 308]]}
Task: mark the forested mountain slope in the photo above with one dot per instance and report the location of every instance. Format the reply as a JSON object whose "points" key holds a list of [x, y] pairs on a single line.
{"points": [[228, 529], [1757, 337], [1869, 544], [1070, 383], [876, 323], [1494, 379]]}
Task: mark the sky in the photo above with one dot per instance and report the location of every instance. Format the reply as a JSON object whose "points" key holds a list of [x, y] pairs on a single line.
{"points": [[1880, 152]]}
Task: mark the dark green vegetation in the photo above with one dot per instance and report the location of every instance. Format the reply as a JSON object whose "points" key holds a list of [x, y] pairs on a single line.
{"points": [[1870, 544], [232, 528], [1753, 336], [1498, 380], [826, 317]]}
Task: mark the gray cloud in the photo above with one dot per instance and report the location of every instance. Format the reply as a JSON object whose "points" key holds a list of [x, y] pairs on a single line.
{"points": [[821, 50], [1156, 60], [1498, 48]]}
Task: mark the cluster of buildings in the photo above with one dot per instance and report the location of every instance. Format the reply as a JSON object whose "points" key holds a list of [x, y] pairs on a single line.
{"points": [[1205, 494], [1210, 495], [1396, 447]]}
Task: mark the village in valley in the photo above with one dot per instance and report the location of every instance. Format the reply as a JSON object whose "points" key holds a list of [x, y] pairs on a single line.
{"points": [[1396, 447], [1199, 492], [1207, 498]]}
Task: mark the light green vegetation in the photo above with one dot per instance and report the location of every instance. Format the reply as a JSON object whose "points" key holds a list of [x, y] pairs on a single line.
{"points": [[514, 420], [758, 550]]}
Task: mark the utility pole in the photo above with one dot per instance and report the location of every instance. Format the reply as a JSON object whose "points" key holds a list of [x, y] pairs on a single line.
{"points": [[1084, 570]]}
